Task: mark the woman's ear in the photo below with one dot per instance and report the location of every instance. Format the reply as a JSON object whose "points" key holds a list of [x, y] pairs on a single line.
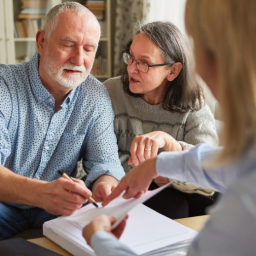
{"points": [[174, 71]]}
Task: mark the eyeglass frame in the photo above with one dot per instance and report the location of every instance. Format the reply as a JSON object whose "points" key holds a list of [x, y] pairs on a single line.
{"points": [[149, 66]]}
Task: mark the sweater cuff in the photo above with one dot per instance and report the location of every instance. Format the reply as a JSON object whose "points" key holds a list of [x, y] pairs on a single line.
{"points": [[185, 145]]}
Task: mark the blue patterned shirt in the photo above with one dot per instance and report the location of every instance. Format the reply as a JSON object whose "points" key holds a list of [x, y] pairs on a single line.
{"points": [[36, 141]]}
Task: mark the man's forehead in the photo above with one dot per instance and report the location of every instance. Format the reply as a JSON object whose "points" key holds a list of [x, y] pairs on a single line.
{"points": [[70, 18], [75, 27]]}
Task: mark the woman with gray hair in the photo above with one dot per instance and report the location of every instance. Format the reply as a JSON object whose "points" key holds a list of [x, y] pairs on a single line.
{"points": [[159, 106]]}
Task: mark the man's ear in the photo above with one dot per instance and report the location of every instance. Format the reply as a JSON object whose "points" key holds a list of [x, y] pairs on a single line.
{"points": [[174, 71], [40, 41]]}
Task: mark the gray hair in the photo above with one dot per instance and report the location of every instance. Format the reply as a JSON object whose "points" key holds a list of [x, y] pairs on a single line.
{"points": [[168, 38], [52, 16], [184, 92]]}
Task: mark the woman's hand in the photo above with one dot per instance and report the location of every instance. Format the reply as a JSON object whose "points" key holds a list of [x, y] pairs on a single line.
{"points": [[135, 182], [146, 146], [103, 223]]}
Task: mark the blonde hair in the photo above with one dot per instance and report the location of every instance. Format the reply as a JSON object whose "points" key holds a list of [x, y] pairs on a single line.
{"points": [[226, 28]]}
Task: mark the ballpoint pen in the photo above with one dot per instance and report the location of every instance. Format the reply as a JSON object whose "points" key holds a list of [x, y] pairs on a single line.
{"points": [[64, 175]]}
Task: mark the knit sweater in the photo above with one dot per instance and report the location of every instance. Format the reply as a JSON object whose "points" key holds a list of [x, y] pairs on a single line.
{"points": [[134, 116]]}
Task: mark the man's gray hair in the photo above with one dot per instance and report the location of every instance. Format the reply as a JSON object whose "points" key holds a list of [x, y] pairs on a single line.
{"points": [[52, 16]]}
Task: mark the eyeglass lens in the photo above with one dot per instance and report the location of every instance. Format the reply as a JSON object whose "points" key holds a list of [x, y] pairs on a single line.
{"points": [[141, 65]]}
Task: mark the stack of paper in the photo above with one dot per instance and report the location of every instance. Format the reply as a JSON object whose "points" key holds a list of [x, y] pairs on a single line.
{"points": [[146, 230]]}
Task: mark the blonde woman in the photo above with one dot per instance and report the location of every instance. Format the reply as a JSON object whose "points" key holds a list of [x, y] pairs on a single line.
{"points": [[226, 60]]}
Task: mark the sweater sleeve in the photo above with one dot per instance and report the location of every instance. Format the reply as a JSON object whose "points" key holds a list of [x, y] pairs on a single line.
{"points": [[200, 128]]}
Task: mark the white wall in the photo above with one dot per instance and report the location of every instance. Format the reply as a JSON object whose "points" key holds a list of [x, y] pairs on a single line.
{"points": [[168, 10]]}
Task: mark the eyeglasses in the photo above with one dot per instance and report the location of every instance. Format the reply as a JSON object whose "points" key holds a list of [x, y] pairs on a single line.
{"points": [[141, 65]]}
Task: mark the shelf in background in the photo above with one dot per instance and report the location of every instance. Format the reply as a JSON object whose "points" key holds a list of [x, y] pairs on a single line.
{"points": [[25, 39]]}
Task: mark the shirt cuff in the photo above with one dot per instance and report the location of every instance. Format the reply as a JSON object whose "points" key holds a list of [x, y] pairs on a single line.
{"points": [[171, 164], [117, 173], [105, 244], [99, 239]]}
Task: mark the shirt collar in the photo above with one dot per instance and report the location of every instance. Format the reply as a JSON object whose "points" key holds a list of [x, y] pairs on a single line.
{"points": [[40, 92]]}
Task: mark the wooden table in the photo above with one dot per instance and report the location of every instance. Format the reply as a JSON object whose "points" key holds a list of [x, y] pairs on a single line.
{"points": [[195, 223]]}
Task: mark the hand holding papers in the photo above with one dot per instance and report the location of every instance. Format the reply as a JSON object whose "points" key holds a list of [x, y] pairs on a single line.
{"points": [[118, 208], [138, 235], [135, 182]]}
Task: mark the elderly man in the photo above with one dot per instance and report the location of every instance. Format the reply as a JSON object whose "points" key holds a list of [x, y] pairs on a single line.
{"points": [[52, 114]]}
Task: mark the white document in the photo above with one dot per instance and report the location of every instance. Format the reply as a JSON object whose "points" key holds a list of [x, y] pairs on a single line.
{"points": [[146, 230], [117, 208]]}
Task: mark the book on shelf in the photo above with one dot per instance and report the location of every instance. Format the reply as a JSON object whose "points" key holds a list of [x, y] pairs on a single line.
{"points": [[99, 15], [99, 66], [26, 28], [34, 10], [35, 26], [96, 2], [20, 29], [97, 8], [15, 31], [34, 2], [31, 16]]}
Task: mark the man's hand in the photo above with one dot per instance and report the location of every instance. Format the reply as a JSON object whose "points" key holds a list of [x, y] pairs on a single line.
{"points": [[64, 197], [147, 145], [161, 181], [103, 223], [103, 186], [135, 182]]}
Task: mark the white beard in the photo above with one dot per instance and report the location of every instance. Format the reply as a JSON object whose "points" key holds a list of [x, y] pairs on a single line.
{"points": [[62, 77]]}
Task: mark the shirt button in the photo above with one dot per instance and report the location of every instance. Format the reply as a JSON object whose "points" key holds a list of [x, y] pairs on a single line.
{"points": [[50, 100], [39, 98], [37, 176], [46, 147]]}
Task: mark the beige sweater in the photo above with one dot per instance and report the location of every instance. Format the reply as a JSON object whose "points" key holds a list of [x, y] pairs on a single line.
{"points": [[134, 116]]}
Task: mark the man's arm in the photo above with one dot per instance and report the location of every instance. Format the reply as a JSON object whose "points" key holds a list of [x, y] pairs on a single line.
{"points": [[101, 154], [53, 196]]}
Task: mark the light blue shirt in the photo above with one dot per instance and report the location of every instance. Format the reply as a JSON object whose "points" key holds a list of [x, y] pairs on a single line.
{"points": [[36, 141], [231, 230]]}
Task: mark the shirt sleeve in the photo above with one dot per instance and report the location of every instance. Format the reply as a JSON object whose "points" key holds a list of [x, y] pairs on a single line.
{"points": [[200, 128], [5, 114], [105, 244], [191, 166], [101, 154], [231, 227]]}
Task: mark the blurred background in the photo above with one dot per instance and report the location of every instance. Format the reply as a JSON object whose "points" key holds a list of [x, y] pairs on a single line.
{"points": [[21, 19]]}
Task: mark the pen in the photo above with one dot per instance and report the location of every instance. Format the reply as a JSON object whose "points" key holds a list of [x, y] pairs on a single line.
{"points": [[64, 175]]}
